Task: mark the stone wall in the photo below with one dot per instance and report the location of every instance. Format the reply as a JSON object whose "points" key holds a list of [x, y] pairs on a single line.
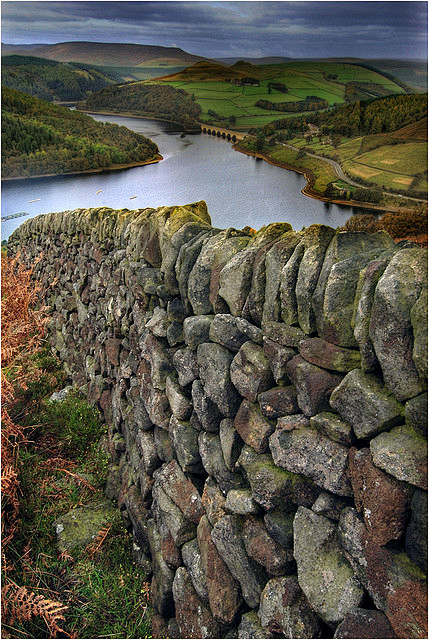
{"points": [[266, 396]]}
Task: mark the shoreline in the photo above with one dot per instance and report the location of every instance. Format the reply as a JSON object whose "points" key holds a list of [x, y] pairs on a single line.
{"points": [[128, 114], [309, 176], [113, 167]]}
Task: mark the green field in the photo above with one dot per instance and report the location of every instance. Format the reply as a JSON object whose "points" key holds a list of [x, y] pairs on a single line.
{"points": [[207, 84]]}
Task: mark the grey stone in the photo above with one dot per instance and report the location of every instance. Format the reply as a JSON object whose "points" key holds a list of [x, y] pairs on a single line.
{"points": [[230, 442], [185, 440], [280, 527], [192, 560], [181, 490], [253, 333], [196, 330], [419, 322], [148, 451], [278, 402], [278, 357], [288, 278], [176, 311], [250, 371], [214, 362], [227, 536], [186, 364], [214, 464], [329, 505], [329, 356], [403, 454], [333, 298], [224, 331], [149, 278], [188, 255], [391, 327], [331, 426], [313, 385], [193, 616], [236, 278], [416, 413], [250, 627], [276, 488], [324, 574], [182, 530], [216, 251], [162, 581], [364, 299], [306, 451], [264, 549], [364, 623], [158, 324], [175, 333], [180, 405], [164, 444], [80, 526], [213, 501], [369, 407], [316, 240], [240, 501], [253, 428], [275, 259], [208, 414], [416, 539], [285, 611], [284, 334]]}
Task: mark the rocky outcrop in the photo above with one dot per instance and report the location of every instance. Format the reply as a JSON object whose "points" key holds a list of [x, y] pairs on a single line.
{"points": [[266, 401]]}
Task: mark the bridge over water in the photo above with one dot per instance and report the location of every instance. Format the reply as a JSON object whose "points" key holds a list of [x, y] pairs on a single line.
{"points": [[225, 134]]}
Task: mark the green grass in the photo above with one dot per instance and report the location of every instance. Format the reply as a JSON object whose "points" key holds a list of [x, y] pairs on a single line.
{"points": [[63, 466], [301, 78]]}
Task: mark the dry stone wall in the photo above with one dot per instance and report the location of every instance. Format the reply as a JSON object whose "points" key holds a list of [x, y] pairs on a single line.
{"points": [[266, 400]]}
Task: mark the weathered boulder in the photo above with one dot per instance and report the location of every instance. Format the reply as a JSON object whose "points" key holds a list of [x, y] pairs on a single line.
{"points": [[193, 616], [250, 371], [275, 259], [196, 330], [278, 356], [369, 407], [227, 535], [391, 329], [186, 364], [313, 385], [185, 441], [213, 501], [224, 331], [230, 442], [240, 501], [416, 540], [276, 488], [396, 585], [280, 527], [331, 426], [416, 413], [288, 278], [264, 549], [365, 623], [330, 505], [419, 322], [180, 404], [250, 627], [383, 501], [316, 240], [192, 560], [214, 362], [181, 490], [329, 356], [80, 526], [278, 402], [402, 452], [235, 279], [214, 464], [162, 581], [284, 610], [224, 593], [307, 452], [253, 428], [181, 529], [209, 416], [324, 574]]}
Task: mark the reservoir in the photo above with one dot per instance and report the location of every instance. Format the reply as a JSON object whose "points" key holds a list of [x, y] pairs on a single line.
{"points": [[239, 190]]}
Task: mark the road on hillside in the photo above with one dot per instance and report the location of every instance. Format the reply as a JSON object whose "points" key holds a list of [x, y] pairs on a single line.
{"points": [[340, 173]]}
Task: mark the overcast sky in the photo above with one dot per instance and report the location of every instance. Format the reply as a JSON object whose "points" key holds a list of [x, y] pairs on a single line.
{"points": [[219, 29]]}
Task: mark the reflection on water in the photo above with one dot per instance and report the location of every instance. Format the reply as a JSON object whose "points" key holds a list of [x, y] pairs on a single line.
{"points": [[239, 190]]}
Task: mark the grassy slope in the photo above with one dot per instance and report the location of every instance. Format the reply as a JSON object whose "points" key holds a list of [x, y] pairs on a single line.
{"points": [[206, 82]]}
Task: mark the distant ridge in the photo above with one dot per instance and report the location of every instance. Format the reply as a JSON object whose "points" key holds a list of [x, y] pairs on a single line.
{"points": [[106, 54]]}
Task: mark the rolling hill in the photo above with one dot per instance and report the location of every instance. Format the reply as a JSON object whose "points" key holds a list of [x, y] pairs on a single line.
{"points": [[53, 81], [107, 54]]}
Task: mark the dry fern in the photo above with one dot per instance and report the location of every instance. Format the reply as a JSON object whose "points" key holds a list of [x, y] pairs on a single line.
{"points": [[96, 544], [20, 605]]}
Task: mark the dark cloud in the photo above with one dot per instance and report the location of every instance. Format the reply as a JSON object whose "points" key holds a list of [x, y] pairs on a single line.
{"points": [[219, 29]]}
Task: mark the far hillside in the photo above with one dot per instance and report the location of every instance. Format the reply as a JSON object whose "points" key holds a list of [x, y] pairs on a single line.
{"points": [[156, 101], [40, 138], [246, 95], [54, 81]]}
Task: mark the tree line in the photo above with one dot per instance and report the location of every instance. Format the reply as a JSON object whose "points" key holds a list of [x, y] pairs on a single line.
{"points": [[40, 138], [162, 101], [51, 80], [310, 103]]}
